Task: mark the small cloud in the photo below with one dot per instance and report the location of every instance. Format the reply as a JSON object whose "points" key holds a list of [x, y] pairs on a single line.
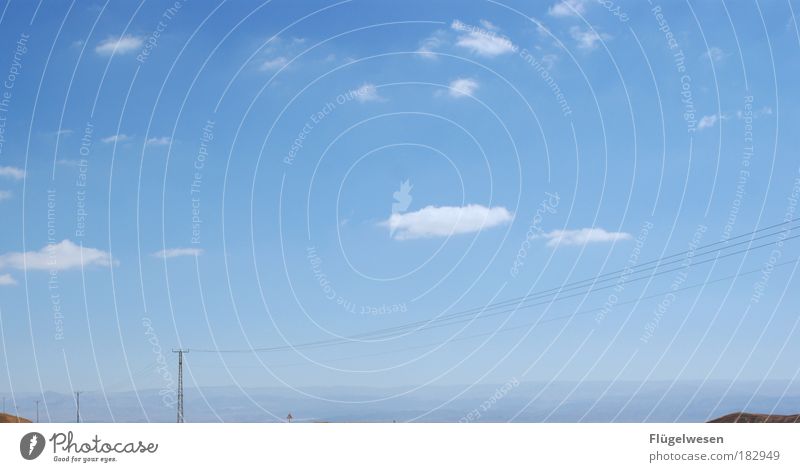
{"points": [[402, 197], [12, 173], [159, 141], [6, 279], [68, 162], [367, 93], [542, 29], [178, 252], [117, 138], [480, 41], [274, 64], [567, 8], [460, 88], [587, 39], [278, 52], [5, 195], [489, 25], [579, 237], [429, 45], [760, 113], [438, 222], [715, 54], [64, 132], [549, 61], [707, 121], [65, 255], [119, 45]]}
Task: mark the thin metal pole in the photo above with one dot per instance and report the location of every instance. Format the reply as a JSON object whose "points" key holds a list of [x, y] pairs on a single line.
{"points": [[78, 405]]}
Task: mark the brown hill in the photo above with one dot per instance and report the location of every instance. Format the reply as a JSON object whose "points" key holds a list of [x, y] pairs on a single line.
{"points": [[6, 418], [756, 418]]}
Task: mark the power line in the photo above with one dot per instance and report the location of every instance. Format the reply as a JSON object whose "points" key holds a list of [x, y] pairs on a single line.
{"points": [[552, 319], [519, 300]]}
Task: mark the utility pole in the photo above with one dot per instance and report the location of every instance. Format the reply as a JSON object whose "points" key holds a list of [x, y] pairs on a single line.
{"points": [[37, 411], [78, 405], [180, 382]]}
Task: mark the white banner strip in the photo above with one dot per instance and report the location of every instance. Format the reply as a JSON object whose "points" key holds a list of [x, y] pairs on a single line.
{"points": [[401, 447]]}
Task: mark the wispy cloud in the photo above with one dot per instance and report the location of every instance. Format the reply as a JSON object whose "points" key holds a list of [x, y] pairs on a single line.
{"points": [[6, 279], [159, 141], [761, 112], [579, 237], [5, 195], [178, 252], [567, 8], [117, 138], [460, 88], [431, 44], [65, 255], [278, 53], [12, 173], [715, 54], [707, 121], [367, 93], [489, 25], [587, 39], [481, 41], [274, 63], [437, 222], [119, 45]]}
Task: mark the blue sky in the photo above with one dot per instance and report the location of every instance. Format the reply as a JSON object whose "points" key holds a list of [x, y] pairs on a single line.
{"points": [[256, 174]]}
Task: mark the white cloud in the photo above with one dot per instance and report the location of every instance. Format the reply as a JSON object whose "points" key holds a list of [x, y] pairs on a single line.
{"points": [[481, 41], [549, 61], [489, 25], [68, 162], [12, 173], [178, 252], [274, 64], [462, 88], [64, 132], [430, 44], [587, 39], [60, 256], [435, 222], [117, 138], [760, 113], [119, 45], [6, 279], [715, 54], [579, 237], [367, 93], [707, 121], [567, 8], [5, 195], [159, 141]]}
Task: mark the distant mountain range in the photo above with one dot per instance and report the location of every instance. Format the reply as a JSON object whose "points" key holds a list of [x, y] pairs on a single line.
{"points": [[597, 402], [756, 418]]}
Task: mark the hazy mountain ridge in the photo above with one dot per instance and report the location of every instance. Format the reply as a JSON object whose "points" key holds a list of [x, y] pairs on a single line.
{"points": [[685, 402]]}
